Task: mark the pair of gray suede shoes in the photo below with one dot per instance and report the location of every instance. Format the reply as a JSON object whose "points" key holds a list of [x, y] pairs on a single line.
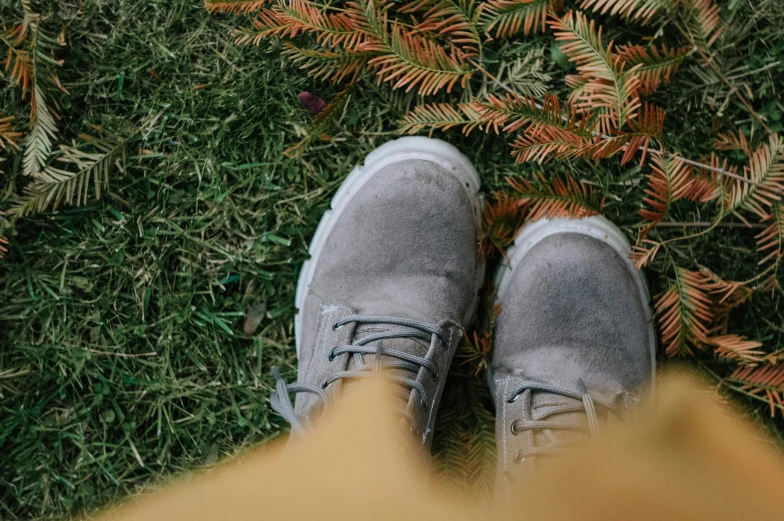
{"points": [[394, 278]]}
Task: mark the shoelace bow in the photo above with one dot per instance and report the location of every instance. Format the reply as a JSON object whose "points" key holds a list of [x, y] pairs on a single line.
{"points": [[529, 422], [280, 400]]}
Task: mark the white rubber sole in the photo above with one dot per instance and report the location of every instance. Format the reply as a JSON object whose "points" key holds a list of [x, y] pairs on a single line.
{"points": [[415, 147], [597, 227]]}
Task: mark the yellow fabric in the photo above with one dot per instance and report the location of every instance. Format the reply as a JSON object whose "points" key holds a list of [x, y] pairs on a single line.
{"points": [[685, 459]]}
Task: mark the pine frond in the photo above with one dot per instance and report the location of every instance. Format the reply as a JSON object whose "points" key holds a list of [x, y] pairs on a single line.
{"points": [[289, 18], [412, 61], [771, 284], [737, 348], [32, 65], [234, 6], [649, 126], [38, 145], [331, 29], [501, 219], [440, 116], [655, 67], [87, 166], [702, 21], [708, 185], [335, 66], [644, 251], [703, 189], [509, 17], [582, 43], [482, 455], [510, 113], [524, 75], [17, 39], [616, 104], [770, 241], [641, 11], [733, 141], [362, 36], [334, 109], [669, 181], [445, 439], [8, 136], [609, 88], [729, 293], [371, 16], [543, 144], [18, 62], [322, 123], [766, 170], [269, 23], [456, 19], [551, 131], [575, 81], [765, 381], [560, 196], [462, 470], [700, 17], [683, 313], [609, 146], [464, 442], [477, 349], [576, 84], [30, 18], [726, 297], [714, 87]]}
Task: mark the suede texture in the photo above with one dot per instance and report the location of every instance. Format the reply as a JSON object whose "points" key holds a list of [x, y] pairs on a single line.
{"points": [[572, 312], [405, 247]]}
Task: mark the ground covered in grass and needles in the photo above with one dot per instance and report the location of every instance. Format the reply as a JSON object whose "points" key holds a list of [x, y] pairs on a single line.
{"points": [[137, 331]]}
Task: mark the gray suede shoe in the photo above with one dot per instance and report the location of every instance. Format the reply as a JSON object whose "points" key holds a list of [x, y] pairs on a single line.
{"points": [[392, 280], [574, 344]]}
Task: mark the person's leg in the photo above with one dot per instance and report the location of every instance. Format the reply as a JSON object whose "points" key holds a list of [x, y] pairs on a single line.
{"points": [[574, 346], [393, 272], [574, 343]]}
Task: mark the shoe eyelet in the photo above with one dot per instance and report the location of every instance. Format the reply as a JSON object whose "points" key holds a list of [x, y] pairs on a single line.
{"points": [[513, 399], [337, 325], [436, 375], [325, 384], [331, 355], [422, 402], [514, 430], [519, 457]]}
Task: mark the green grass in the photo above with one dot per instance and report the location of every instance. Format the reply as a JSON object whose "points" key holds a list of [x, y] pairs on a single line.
{"points": [[122, 352]]}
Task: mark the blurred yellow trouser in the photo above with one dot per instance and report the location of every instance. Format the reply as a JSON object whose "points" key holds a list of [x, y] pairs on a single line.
{"points": [[685, 459]]}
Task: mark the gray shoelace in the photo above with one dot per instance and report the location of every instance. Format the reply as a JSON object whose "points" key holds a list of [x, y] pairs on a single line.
{"points": [[539, 422], [280, 400]]}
